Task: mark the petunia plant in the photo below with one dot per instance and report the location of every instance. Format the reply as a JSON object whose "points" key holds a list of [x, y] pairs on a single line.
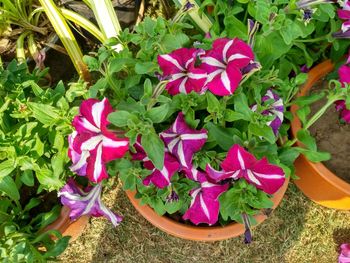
{"points": [[197, 124]]}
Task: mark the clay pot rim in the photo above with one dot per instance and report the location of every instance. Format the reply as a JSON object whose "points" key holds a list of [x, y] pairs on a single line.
{"points": [[199, 233], [315, 74], [68, 227]]}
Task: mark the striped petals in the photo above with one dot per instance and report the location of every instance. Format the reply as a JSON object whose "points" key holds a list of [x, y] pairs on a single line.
{"points": [[276, 109], [204, 207], [224, 63], [91, 146], [178, 67], [241, 164], [161, 178], [183, 141], [86, 203]]}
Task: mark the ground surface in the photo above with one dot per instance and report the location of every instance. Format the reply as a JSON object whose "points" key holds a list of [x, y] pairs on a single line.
{"points": [[298, 231]]}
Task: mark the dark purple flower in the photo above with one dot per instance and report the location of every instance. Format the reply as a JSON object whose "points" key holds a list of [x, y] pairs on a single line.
{"points": [[276, 109]]}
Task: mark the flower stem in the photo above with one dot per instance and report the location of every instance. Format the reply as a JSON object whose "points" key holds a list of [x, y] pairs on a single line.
{"points": [[311, 40]]}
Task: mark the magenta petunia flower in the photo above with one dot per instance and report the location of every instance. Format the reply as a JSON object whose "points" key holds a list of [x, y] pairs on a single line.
{"points": [[161, 178], [179, 68], [275, 109], [344, 77], [224, 63], [344, 14], [205, 206], [86, 203], [93, 145], [183, 141], [241, 164], [344, 256]]}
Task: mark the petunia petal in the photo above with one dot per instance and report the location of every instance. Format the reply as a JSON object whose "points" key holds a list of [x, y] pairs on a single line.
{"points": [[204, 207], [96, 168], [226, 82], [218, 176], [238, 159], [183, 141], [265, 176], [86, 203], [161, 178], [113, 147]]}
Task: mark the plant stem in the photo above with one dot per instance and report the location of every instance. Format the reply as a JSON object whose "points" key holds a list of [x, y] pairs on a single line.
{"points": [[314, 118], [311, 40]]}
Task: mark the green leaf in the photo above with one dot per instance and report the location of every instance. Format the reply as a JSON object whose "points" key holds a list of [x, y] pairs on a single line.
{"points": [[27, 178], [38, 146], [223, 136], [314, 156], [6, 167], [241, 106], [47, 179], [231, 115], [305, 138], [8, 186], [119, 118], [46, 114], [154, 148], [145, 67], [58, 248], [158, 114], [262, 131], [302, 113]]}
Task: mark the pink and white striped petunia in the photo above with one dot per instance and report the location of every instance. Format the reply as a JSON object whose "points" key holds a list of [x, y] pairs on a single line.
{"points": [[93, 145], [86, 203], [344, 77], [183, 141], [275, 109], [224, 62], [241, 164], [205, 206], [179, 68], [161, 178]]}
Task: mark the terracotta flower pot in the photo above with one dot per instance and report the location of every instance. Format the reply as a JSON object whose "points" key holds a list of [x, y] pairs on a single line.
{"points": [[68, 227], [316, 181], [197, 233]]}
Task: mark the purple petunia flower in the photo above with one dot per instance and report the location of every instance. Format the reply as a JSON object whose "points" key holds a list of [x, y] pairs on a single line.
{"points": [[204, 207], [275, 109], [92, 144], [86, 203], [179, 68], [183, 141], [224, 62], [344, 256], [241, 164]]}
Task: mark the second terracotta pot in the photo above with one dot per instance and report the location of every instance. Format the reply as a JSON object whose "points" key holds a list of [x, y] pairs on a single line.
{"points": [[198, 233], [68, 227], [316, 181]]}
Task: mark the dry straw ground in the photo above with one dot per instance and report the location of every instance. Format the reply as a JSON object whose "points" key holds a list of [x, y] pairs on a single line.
{"points": [[298, 231]]}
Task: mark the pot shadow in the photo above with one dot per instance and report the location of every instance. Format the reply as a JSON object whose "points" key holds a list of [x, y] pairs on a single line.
{"points": [[341, 236], [136, 239]]}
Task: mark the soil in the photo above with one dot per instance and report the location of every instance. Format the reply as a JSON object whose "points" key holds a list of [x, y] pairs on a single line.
{"points": [[332, 136]]}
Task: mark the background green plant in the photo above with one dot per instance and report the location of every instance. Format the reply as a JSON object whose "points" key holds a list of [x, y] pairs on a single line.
{"points": [[34, 124]]}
